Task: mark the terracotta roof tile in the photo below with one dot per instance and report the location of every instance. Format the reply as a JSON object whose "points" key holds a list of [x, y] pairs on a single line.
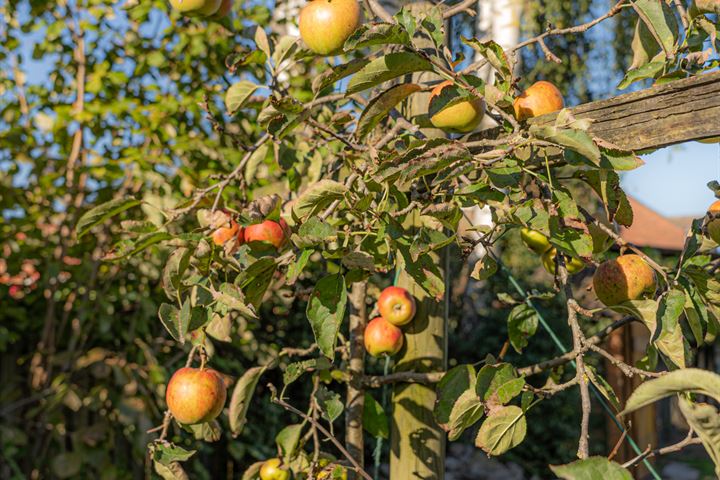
{"points": [[650, 229]]}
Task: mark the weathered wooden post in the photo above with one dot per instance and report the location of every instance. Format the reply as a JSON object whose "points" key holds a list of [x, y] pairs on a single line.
{"points": [[417, 443]]}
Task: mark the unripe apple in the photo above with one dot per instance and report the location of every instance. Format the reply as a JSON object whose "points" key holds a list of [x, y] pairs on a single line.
{"points": [[195, 396], [224, 10], [268, 231], [396, 305], [542, 97], [462, 117], [382, 337], [272, 470], [713, 226], [627, 277], [326, 24], [572, 264], [534, 240], [203, 8]]}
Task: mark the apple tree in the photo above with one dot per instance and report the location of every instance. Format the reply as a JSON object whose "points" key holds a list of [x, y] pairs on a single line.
{"points": [[353, 172]]}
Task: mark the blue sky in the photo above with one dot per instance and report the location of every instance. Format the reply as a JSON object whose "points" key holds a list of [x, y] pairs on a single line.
{"points": [[674, 180]]}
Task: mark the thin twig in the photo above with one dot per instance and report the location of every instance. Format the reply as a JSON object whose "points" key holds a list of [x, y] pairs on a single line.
{"points": [[648, 453], [461, 7], [626, 369], [318, 425]]}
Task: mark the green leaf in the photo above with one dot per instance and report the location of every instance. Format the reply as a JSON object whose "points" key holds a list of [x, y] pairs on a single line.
{"points": [[313, 232], [457, 406], [333, 74], [102, 212], [295, 370], [493, 53], [484, 268], [660, 19], [359, 259], [253, 471], [176, 265], [370, 34], [380, 106], [650, 70], [170, 318], [683, 380], [704, 419], [326, 310], [619, 159], [671, 344], [232, 299], [491, 377], [318, 196], [207, 432], [172, 471], [375, 421], [504, 429], [168, 453], [255, 279], [237, 94], [241, 397], [522, 324], [591, 469], [577, 140], [605, 389], [287, 440], [330, 403], [606, 184], [386, 68], [296, 267]]}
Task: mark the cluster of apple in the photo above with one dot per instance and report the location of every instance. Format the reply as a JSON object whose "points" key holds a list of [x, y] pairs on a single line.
{"points": [[627, 277], [226, 232], [383, 335], [214, 9]]}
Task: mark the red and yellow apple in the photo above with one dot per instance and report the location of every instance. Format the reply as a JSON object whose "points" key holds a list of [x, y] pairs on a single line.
{"points": [[195, 395], [461, 117], [713, 226], [269, 231], [534, 240], [627, 277], [273, 469], [396, 305], [573, 265], [542, 97], [326, 24], [382, 337], [203, 8]]}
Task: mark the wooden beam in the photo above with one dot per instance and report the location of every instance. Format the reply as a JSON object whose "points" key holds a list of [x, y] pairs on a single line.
{"points": [[677, 112]]}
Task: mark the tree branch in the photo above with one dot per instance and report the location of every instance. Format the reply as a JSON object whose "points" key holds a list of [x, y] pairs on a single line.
{"points": [[676, 447], [279, 401]]}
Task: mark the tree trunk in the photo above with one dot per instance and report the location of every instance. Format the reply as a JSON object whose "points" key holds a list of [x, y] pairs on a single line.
{"points": [[355, 398]]}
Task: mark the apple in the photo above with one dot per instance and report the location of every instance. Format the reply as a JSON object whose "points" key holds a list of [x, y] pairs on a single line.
{"points": [[382, 337], [573, 265], [195, 395], [542, 97], [272, 470], [627, 277], [224, 10], [396, 305], [326, 24], [268, 231], [534, 240], [203, 8], [713, 226], [462, 117]]}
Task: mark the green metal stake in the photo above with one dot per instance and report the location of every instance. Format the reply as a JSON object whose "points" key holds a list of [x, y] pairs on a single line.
{"points": [[563, 349]]}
